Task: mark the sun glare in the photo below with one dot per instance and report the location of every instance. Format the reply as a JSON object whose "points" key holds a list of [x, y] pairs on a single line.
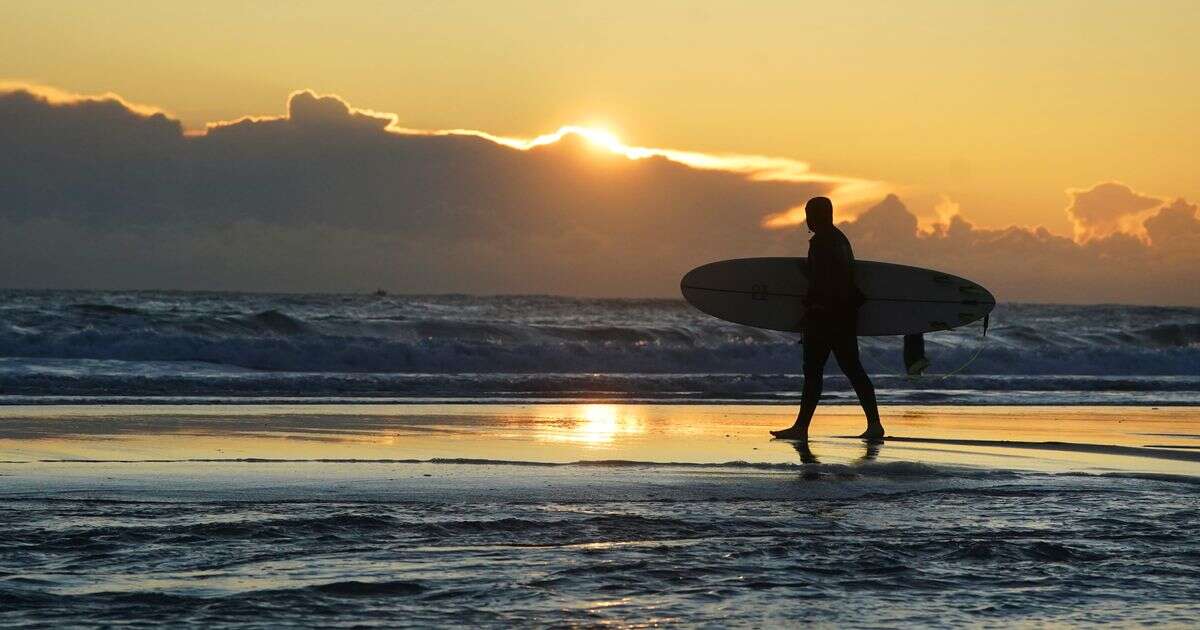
{"points": [[598, 137], [601, 138], [596, 425], [845, 190]]}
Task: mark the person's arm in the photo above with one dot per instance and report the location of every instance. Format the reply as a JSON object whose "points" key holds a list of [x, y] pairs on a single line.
{"points": [[842, 290], [819, 269]]}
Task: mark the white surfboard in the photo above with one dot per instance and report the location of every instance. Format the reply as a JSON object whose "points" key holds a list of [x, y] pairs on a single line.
{"points": [[901, 300]]}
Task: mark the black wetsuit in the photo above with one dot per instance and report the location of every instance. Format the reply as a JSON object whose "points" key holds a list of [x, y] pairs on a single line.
{"points": [[832, 304]]}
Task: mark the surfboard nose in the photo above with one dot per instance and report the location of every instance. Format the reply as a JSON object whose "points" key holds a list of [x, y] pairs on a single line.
{"points": [[699, 276], [691, 277]]}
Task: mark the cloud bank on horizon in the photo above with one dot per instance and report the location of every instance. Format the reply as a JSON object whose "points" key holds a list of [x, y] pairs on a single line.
{"points": [[96, 192]]}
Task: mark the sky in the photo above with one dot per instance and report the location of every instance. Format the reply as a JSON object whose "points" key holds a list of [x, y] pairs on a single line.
{"points": [[1068, 124]]}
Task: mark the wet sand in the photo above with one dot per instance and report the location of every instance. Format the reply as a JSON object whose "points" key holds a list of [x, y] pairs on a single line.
{"points": [[105, 446], [596, 514]]}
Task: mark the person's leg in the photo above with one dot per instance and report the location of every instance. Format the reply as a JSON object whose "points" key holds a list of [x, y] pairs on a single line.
{"points": [[816, 353], [845, 349]]}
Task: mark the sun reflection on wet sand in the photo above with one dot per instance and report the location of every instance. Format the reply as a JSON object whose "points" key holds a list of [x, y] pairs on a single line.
{"points": [[597, 424], [1045, 438]]}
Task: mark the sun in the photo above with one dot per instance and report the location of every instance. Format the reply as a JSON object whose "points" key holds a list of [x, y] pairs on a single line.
{"points": [[596, 137], [601, 138]]}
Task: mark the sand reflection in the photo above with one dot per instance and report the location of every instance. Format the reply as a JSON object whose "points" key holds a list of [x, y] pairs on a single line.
{"points": [[1042, 438], [596, 424]]}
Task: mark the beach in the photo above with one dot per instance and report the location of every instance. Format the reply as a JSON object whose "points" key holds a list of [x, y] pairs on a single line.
{"points": [[591, 513], [485, 315]]}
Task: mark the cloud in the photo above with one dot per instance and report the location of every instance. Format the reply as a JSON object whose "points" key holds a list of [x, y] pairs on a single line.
{"points": [[1108, 208], [330, 197], [98, 193], [306, 108], [1032, 264], [56, 96], [328, 109], [1175, 228]]}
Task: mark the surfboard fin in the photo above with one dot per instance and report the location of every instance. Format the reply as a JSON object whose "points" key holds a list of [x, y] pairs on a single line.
{"points": [[915, 361]]}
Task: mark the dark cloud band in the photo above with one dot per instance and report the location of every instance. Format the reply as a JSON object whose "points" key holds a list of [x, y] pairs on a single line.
{"points": [[95, 193]]}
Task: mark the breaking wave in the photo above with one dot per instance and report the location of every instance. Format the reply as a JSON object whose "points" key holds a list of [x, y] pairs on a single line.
{"points": [[192, 344]]}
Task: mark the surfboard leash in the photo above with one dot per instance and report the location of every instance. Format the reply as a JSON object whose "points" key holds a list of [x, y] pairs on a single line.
{"points": [[975, 355]]}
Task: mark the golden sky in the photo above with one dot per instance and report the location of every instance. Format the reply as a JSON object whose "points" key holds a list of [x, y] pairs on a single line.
{"points": [[998, 107]]}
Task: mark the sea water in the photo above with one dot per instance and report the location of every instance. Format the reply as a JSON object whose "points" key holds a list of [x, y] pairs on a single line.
{"points": [[78, 346], [500, 544], [270, 525]]}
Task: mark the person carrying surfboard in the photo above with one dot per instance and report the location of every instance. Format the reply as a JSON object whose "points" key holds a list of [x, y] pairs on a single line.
{"points": [[830, 318]]}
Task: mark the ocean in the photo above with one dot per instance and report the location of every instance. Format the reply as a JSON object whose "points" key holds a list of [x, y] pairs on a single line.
{"points": [[234, 460], [79, 346]]}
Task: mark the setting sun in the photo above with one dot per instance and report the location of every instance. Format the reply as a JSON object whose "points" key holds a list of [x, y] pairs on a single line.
{"points": [[601, 138]]}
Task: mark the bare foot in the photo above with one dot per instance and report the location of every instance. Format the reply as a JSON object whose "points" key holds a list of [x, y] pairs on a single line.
{"points": [[792, 433], [873, 433]]}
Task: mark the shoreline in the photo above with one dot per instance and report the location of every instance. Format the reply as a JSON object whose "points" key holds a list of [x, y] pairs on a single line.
{"points": [[248, 401], [1060, 438]]}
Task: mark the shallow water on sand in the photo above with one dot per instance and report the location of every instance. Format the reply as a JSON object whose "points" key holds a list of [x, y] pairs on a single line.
{"points": [[587, 514]]}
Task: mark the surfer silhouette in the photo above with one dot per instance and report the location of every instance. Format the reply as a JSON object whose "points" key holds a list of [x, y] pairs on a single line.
{"points": [[831, 313]]}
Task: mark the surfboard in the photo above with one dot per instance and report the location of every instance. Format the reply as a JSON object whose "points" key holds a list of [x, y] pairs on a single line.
{"points": [[901, 300]]}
